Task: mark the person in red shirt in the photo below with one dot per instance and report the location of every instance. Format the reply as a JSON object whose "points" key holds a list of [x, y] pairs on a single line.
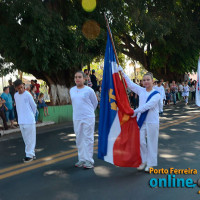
{"points": [[37, 92]]}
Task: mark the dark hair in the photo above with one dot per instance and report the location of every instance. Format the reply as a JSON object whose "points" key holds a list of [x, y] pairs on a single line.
{"points": [[158, 82], [98, 88], [17, 83], [81, 73], [5, 88], [32, 86], [85, 70], [35, 81], [40, 95], [149, 74]]}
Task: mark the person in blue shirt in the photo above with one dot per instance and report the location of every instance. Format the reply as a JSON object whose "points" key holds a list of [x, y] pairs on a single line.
{"points": [[9, 111]]}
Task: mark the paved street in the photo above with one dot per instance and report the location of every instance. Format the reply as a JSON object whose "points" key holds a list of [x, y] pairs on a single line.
{"points": [[53, 175]]}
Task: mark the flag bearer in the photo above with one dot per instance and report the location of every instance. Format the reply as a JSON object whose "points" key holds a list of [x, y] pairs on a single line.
{"points": [[148, 119], [84, 103]]}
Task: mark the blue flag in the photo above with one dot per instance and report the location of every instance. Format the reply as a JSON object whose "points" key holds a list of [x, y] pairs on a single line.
{"points": [[107, 115]]}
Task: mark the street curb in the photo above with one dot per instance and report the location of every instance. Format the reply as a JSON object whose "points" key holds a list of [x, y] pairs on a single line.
{"points": [[6, 132]]}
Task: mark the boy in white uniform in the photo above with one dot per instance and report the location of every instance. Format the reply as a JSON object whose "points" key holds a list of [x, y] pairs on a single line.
{"points": [[84, 103], [161, 90], [150, 128], [26, 109]]}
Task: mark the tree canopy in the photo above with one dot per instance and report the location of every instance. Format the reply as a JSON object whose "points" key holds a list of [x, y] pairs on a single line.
{"points": [[52, 39], [162, 35], [42, 36], [45, 38]]}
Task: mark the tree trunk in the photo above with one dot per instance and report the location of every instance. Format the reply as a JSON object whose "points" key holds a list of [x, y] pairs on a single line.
{"points": [[59, 84], [59, 95], [136, 52]]}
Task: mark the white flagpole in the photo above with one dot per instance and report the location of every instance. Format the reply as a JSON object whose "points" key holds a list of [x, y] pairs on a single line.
{"points": [[198, 85]]}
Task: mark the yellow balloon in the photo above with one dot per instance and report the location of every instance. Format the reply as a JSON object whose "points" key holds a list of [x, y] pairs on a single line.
{"points": [[89, 5]]}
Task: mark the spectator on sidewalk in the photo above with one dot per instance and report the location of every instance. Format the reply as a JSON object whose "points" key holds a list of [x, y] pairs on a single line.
{"points": [[132, 99], [168, 97], [37, 92], [26, 109], [94, 80], [11, 89], [2, 113], [174, 90], [180, 89], [9, 106], [166, 86], [42, 104], [87, 78], [32, 92], [98, 94], [32, 82], [193, 90]]}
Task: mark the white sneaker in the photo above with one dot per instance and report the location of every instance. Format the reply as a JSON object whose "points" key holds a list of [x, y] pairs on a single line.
{"points": [[147, 169], [88, 165], [79, 164], [141, 167]]}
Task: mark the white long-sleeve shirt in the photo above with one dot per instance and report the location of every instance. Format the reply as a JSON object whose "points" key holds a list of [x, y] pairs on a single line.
{"points": [[161, 90], [26, 108], [152, 105], [84, 102]]}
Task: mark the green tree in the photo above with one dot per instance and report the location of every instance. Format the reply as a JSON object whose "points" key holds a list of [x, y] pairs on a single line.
{"points": [[162, 35], [45, 38]]}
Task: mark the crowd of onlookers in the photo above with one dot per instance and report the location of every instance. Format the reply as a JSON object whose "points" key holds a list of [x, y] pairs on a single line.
{"points": [[7, 103], [92, 81], [172, 92]]}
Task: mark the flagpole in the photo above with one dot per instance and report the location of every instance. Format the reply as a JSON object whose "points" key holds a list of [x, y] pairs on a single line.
{"points": [[111, 38]]}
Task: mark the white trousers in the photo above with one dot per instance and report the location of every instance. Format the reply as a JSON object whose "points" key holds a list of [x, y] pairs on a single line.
{"points": [[186, 99], [29, 137], [160, 105], [149, 143], [84, 130]]}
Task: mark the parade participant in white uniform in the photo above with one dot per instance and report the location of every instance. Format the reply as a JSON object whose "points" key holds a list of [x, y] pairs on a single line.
{"points": [[185, 93], [150, 126], [84, 103], [161, 90], [180, 89], [26, 109]]}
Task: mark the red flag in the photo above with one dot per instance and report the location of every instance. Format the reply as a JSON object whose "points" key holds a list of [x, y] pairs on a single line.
{"points": [[126, 151]]}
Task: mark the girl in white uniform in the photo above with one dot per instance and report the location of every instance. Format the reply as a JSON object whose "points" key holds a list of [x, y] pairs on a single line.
{"points": [[185, 93], [84, 103], [150, 127]]}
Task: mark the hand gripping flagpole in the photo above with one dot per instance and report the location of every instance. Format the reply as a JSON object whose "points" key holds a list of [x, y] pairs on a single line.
{"points": [[111, 38]]}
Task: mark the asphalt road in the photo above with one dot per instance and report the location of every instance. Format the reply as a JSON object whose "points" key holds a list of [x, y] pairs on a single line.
{"points": [[53, 175]]}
